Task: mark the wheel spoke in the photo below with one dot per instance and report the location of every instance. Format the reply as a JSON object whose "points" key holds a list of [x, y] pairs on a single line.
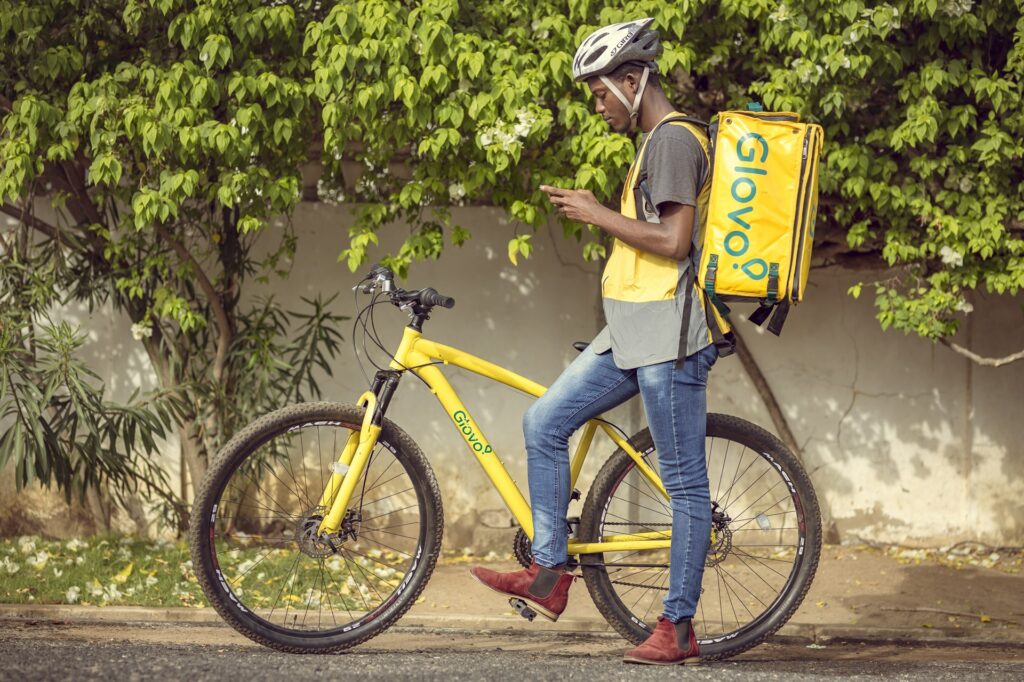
{"points": [[743, 580], [265, 535]]}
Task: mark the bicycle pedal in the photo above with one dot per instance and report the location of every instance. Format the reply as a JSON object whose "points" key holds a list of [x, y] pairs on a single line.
{"points": [[522, 608]]}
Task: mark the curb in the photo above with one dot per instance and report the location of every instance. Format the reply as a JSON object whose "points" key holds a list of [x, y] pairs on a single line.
{"points": [[589, 628]]}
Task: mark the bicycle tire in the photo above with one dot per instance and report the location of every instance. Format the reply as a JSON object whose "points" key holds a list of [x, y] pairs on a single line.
{"points": [[207, 553], [775, 457]]}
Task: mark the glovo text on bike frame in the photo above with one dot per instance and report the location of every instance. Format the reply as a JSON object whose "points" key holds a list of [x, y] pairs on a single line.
{"points": [[418, 355]]}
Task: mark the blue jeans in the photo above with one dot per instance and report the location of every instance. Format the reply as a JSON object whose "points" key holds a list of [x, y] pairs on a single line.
{"points": [[675, 402]]}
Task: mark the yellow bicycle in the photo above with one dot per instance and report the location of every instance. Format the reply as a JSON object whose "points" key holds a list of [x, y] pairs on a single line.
{"points": [[318, 525]]}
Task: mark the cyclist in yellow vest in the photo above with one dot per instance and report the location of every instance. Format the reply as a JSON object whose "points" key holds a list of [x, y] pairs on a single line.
{"points": [[656, 343]]}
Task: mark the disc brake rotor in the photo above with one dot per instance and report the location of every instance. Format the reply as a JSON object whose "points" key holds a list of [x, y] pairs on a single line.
{"points": [[307, 534]]}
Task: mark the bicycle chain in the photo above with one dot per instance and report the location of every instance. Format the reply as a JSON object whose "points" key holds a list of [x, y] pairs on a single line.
{"points": [[644, 525], [649, 587]]}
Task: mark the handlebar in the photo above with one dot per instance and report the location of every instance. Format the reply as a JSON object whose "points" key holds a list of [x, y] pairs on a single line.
{"points": [[382, 276], [430, 297]]}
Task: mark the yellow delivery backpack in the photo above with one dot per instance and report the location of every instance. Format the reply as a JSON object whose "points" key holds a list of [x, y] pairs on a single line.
{"points": [[764, 198]]}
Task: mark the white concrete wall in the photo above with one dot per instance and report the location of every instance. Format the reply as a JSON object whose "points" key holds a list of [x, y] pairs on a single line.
{"points": [[905, 440]]}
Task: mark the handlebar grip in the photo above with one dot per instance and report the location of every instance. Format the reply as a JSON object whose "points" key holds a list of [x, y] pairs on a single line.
{"points": [[431, 297]]}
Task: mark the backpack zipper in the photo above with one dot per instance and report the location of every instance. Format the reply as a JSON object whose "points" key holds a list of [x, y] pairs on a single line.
{"points": [[803, 217]]}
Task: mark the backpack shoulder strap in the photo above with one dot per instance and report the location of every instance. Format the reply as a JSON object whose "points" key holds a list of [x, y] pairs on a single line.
{"points": [[692, 121]]}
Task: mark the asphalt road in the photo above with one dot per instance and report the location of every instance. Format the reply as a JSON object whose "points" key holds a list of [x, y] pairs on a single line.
{"points": [[54, 651]]}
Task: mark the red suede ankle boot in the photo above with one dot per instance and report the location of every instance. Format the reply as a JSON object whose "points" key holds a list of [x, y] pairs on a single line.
{"points": [[546, 590], [669, 644]]}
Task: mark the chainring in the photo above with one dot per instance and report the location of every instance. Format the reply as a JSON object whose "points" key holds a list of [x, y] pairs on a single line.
{"points": [[523, 549]]}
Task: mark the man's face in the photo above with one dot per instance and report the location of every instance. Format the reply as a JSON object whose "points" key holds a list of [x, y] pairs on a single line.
{"points": [[611, 107]]}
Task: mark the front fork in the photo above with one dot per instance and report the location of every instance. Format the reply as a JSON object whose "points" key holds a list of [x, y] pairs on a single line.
{"points": [[356, 452]]}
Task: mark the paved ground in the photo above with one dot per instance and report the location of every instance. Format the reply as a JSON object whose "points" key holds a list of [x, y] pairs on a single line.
{"points": [[869, 613], [859, 594], [48, 651], [855, 589]]}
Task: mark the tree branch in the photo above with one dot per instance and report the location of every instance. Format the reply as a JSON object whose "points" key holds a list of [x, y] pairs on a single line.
{"points": [[219, 313], [76, 183], [753, 370], [767, 395], [30, 220], [981, 360]]}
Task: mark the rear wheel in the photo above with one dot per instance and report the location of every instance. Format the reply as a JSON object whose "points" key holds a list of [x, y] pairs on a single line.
{"points": [[766, 538], [254, 541]]}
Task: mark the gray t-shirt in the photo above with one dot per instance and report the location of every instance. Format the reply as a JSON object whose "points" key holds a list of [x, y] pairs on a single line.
{"points": [[647, 333]]}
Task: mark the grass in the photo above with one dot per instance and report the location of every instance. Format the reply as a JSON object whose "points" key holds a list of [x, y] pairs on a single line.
{"points": [[100, 571], [113, 570]]}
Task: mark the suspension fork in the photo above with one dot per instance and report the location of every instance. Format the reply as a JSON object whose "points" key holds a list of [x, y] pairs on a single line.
{"points": [[356, 452]]}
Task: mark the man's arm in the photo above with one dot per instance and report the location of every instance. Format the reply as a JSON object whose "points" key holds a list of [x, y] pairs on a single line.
{"points": [[669, 238]]}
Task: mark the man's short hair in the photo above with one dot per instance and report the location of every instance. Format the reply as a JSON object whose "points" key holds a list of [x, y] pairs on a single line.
{"points": [[637, 69]]}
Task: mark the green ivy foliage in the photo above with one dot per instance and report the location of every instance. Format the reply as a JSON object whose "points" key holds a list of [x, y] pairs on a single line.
{"points": [[165, 134], [920, 100], [148, 121]]}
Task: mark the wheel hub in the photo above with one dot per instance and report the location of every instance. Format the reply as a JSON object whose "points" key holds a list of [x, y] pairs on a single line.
{"points": [[319, 545], [721, 537]]}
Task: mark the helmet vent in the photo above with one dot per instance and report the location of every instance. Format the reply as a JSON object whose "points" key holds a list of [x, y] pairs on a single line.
{"points": [[592, 57]]}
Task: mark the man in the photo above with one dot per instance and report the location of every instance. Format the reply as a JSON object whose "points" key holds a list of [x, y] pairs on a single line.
{"points": [[656, 342]]}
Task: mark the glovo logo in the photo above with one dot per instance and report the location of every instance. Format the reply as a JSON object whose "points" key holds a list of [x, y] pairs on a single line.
{"points": [[465, 425], [751, 150]]}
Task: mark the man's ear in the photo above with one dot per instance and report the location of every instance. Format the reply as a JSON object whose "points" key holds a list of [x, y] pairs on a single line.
{"points": [[631, 82]]}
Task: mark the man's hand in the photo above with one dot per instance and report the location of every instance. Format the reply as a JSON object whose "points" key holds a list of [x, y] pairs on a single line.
{"points": [[669, 238], [575, 204]]}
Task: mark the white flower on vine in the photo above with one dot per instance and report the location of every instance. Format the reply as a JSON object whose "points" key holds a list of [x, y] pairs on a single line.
{"points": [[781, 14], [141, 330], [957, 8], [524, 122], [505, 138], [456, 191], [951, 257]]}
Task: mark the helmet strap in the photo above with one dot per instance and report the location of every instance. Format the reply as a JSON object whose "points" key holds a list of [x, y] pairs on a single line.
{"points": [[634, 107]]}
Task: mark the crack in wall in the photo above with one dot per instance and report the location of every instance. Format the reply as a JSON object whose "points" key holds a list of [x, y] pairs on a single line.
{"points": [[856, 374], [855, 392]]}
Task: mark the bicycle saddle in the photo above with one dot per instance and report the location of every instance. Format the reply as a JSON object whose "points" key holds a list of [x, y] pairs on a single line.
{"points": [[580, 345]]}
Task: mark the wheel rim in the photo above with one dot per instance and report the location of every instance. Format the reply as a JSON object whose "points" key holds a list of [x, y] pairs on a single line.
{"points": [[264, 548], [755, 551]]}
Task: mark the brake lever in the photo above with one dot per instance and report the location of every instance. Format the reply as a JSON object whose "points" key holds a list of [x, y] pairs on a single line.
{"points": [[365, 287], [368, 287]]}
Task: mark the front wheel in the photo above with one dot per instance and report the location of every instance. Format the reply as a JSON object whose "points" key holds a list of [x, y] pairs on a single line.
{"points": [[764, 547], [254, 541]]}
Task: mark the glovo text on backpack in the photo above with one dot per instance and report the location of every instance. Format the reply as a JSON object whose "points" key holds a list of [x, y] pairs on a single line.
{"points": [[764, 200]]}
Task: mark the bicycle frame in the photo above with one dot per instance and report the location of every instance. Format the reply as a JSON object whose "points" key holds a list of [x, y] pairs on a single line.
{"points": [[418, 354]]}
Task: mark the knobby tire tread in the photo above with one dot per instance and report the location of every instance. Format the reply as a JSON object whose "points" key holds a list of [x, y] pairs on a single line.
{"points": [[738, 430], [271, 424]]}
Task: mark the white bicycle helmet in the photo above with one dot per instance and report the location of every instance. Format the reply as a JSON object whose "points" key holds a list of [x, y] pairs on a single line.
{"points": [[609, 47]]}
